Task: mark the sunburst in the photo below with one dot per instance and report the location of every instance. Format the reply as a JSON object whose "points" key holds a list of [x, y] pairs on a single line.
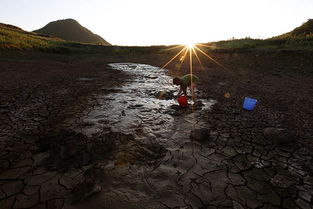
{"points": [[190, 45], [190, 51]]}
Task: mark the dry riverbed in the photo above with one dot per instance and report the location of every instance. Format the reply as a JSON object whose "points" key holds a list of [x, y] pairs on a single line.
{"points": [[96, 133]]}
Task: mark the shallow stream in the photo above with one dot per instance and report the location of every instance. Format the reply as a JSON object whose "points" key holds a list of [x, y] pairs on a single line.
{"points": [[137, 107]]}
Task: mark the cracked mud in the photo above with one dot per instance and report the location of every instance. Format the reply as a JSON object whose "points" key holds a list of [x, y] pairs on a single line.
{"points": [[130, 148]]}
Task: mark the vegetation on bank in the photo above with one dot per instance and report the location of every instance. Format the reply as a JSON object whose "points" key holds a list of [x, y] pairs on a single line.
{"points": [[304, 31], [301, 38], [14, 38], [267, 44]]}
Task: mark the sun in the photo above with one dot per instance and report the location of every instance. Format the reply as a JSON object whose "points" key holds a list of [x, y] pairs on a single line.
{"points": [[190, 45], [191, 50]]}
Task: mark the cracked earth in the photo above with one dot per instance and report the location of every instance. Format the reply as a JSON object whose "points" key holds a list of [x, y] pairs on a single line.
{"points": [[127, 146]]}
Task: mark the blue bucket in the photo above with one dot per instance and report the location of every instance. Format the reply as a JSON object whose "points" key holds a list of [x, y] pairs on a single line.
{"points": [[249, 103]]}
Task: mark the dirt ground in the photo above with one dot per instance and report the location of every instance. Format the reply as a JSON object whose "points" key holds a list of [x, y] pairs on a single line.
{"points": [[46, 165]]}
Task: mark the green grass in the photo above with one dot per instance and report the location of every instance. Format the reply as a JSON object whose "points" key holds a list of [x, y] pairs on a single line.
{"points": [[301, 38], [303, 31], [13, 38], [305, 44]]}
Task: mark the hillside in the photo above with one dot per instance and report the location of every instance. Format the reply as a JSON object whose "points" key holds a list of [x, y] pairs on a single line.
{"points": [[303, 31], [15, 38], [12, 37], [301, 38], [71, 30]]}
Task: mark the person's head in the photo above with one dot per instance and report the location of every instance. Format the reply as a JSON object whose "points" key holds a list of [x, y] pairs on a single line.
{"points": [[177, 81]]}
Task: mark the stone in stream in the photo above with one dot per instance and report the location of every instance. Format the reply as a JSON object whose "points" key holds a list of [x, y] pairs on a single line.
{"points": [[197, 105], [278, 135], [201, 135], [164, 95]]}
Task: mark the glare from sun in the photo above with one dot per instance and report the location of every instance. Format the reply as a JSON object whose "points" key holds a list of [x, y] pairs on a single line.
{"points": [[190, 45]]}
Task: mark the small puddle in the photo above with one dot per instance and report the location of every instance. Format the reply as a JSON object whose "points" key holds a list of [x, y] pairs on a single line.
{"points": [[136, 108]]}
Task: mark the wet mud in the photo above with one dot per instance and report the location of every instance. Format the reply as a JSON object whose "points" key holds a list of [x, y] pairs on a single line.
{"points": [[134, 147]]}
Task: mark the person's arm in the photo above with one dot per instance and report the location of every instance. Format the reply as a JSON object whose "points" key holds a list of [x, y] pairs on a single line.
{"points": [[182, 91], [179, 92], [184, 88]]}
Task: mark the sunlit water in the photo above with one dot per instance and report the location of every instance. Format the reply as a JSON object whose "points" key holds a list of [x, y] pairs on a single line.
{"points": [[134, 107]]}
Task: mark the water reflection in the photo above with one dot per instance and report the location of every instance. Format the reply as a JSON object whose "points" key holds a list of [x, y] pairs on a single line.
{"points": [[136, 108]]}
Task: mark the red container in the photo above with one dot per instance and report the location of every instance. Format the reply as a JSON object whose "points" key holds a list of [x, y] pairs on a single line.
{"points": [[182, 100]]}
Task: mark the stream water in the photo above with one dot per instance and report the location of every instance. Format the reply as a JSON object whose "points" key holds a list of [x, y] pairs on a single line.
{"points": [[136, 107]]}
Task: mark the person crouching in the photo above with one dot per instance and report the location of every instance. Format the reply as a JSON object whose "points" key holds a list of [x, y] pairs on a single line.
{"points": [[185, 81]]}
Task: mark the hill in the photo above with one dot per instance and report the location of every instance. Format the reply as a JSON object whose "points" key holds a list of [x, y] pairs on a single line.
{"points": [[303, 31], [71, 30], [12, 37], [301, 38]]}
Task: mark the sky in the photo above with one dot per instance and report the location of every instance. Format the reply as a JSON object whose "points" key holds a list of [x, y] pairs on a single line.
{"points": [[164, 22]]}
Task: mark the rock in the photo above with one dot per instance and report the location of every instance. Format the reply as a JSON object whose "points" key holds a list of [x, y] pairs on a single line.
{"points": [[278, 135], [198, 103], [164, 95], [174, 107], [201, 135]]}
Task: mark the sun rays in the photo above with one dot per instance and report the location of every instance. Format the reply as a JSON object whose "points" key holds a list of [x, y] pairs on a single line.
{"points": [[191, 51], [191, 54]]}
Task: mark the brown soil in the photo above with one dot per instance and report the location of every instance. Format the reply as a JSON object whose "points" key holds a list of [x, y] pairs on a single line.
{"points": [[39, 91], [281, 82]]}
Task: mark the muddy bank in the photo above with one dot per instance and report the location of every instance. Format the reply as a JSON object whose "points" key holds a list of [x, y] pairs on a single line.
{"points": [[106, 144], [35, 96]]}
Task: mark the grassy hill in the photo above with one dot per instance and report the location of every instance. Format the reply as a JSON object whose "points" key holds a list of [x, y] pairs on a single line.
{"points": [[71, 30], [15, 39], [303, 31], [12, 37], [301, 38]]}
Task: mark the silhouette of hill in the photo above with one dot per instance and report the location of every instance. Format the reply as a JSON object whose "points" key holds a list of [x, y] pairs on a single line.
{"points": [[15, 38], [71, 30], [304, 31]]}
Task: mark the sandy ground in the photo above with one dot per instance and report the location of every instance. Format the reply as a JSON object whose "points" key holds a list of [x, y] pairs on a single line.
{"points": [[45, 164]]}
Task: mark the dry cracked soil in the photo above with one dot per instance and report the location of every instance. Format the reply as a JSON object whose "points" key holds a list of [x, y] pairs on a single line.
{"points": [[107, 133]]}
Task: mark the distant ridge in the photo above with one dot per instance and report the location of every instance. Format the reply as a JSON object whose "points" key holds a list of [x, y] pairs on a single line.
{"points": [[12, 27], [303, 31], [71, 30]]}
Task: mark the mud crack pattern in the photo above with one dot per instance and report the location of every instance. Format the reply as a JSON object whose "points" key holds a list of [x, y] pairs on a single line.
{"points": [[132, 150]]}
